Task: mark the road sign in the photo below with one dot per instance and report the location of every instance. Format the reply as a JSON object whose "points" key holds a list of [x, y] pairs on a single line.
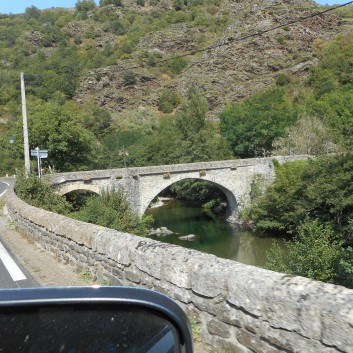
{"points": [[39, 153]]}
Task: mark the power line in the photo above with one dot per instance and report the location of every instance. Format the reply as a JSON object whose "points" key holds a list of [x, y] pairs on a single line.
{"points": [[239, 39]]}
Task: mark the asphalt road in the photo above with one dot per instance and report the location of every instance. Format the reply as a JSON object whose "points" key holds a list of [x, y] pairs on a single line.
{"points": [[12, 273]]}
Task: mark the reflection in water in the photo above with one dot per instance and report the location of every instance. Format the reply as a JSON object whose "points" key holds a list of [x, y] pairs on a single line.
{"points": [[214, 236]]}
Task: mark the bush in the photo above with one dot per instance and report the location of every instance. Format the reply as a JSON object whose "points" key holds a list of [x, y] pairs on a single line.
{"points": [[319, 189], [177, 65], [39, 193], [129, 77], [85, 5], [168, 101], [111, 209], [118, 27], [315, 253], [127, 47], [282, 79]]}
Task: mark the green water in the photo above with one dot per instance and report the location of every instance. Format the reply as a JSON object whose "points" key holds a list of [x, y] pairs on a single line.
{"points": [[214, 236]]}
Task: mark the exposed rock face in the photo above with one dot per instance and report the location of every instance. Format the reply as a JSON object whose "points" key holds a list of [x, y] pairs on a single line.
{"points": [[233, 69]]}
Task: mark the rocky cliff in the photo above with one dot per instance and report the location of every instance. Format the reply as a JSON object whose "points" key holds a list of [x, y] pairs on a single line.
{"points": [[233, 69]]}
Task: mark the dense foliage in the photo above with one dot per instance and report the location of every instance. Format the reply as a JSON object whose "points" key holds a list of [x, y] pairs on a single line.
{"points": [[310, 201], [315, 253], [112, 210], [199, 192], [38, 193], [184, 137], [315, 117], [252, 126], [319, 189], [56, 128]]}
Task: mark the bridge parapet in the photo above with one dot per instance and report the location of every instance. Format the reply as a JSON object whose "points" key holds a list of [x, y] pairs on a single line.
{"points": [[238, 308], [60, 178]]}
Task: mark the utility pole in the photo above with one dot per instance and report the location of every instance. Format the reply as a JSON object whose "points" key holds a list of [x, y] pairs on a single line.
{"points": [[25, 127]]}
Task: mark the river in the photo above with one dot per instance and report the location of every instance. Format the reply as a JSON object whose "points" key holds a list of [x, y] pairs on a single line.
{"points": [[213, 235]]}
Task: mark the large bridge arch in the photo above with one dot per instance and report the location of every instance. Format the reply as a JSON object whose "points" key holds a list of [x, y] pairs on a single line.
{"points": [[157, 188]]}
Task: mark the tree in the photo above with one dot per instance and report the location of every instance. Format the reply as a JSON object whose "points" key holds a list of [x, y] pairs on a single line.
{"points": [[192, 119], [314, 253], [336, 111], [316, 189], [308, 135], [58, 73], [32, 11], [117, 3], [52, 127], [85, 5], [252, 126], [182, 138]]}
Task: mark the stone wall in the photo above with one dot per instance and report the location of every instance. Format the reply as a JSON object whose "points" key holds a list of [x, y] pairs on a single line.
{"points": [[239, 308]]}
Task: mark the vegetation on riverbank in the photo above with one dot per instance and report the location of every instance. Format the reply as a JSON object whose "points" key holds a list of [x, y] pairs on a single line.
{"points": [[198, 192], [316, 252], [311, 203], [111, 209]]}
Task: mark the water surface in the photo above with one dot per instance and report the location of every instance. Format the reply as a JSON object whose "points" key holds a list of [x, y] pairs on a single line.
{"points": [[213, 235]]}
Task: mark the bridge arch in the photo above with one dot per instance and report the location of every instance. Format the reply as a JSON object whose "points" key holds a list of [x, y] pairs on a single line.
{"points": [[73, 187], [232, 205]]}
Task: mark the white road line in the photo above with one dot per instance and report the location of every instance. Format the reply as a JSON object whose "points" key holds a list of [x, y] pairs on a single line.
{"points": [[6, 189], [9, 263]]}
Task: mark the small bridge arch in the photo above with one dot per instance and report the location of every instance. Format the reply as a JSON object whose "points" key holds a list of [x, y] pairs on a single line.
{"points": [[73, 187]]}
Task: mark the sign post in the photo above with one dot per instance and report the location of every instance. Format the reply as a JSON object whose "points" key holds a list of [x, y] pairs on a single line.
{"points": [[39, 154]]}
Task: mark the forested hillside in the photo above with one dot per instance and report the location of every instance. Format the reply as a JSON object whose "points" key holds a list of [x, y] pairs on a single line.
{"points": [[136, 76]]}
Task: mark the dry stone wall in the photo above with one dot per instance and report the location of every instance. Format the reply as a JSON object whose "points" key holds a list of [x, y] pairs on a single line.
{"points": [[239, 308]]}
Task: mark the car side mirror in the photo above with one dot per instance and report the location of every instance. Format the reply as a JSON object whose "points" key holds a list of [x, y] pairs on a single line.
{"points": [[92, 319]]}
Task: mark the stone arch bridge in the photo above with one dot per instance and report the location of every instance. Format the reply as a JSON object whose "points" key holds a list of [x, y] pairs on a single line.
{"points": [[143, 184]]}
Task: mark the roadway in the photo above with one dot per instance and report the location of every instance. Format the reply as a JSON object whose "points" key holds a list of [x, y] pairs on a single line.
{"points": [[12, 273]]}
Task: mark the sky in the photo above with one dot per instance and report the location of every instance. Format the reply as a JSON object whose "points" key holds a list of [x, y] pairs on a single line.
{"points": [[19, 6]]}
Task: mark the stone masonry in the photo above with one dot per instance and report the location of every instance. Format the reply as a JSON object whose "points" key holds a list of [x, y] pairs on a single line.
{"points": [[143, 184], [238, 308]]}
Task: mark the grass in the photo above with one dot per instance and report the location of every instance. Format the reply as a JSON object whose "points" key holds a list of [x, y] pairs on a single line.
{"points": [[86, 276]]}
